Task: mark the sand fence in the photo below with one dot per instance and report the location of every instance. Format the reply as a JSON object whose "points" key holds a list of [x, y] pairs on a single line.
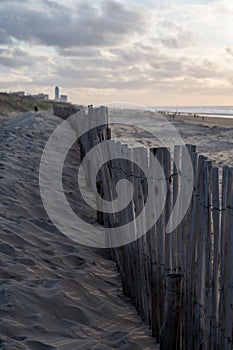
{"points": [[180, 282]]}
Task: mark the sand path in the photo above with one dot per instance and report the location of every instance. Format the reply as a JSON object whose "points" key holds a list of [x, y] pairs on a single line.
{"points": [[54, 293]]}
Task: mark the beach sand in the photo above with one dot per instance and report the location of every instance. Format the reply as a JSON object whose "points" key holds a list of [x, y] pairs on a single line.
{"points": [[212, 136], [54, 293], [210, 121]]}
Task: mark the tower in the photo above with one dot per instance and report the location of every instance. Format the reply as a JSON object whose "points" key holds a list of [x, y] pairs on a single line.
{"points": [[56, 93]]}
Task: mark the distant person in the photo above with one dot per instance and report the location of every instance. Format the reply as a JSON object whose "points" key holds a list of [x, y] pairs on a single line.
{"points": [[35, 108]]}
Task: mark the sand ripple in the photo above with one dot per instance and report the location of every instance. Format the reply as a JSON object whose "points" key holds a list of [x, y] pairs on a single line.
{"points": [[54, 294]]}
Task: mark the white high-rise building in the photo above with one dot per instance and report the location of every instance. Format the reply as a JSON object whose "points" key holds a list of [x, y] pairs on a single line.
{"points": [[57, 93]]}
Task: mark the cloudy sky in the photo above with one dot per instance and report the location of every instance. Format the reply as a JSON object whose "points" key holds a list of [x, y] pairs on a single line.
{"points": [[149, 52]]}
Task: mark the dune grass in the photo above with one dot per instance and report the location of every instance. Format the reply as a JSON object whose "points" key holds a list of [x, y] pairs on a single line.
{"points": [[11, 103]]}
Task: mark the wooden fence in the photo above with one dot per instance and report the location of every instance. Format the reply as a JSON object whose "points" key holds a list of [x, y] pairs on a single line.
{"points": [[181, 283], [65, 110]]}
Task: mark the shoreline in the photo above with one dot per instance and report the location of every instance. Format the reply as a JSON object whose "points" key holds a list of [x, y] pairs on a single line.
{"points": [[200, 120]]}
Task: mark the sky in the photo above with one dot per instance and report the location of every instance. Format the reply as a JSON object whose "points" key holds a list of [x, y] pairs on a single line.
{"points": [[147, 52]]}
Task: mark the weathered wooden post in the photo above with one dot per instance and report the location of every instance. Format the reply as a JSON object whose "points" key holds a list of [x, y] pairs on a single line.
{"points": [[100, 214], [170, 330]]}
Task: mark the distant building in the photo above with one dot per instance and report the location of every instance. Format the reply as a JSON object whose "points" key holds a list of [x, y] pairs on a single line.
{"points": [[63, 98], [19, 93], [42, 96], [56, 93], [58, 97]]}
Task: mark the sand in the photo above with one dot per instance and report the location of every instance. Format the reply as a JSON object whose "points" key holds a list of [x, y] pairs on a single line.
{"points": [[212, 136], [210, 121], [54, 293]]}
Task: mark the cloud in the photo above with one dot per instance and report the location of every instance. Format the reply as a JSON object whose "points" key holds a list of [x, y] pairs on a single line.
{"points": [[114, 46], [4, 37], [79, 52], [172, 35], [138, 68], [83, 25], [14, 57], [229, 50]]}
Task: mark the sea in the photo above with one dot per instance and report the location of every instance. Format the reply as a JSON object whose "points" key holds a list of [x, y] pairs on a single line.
{"points": [[208, 111]]}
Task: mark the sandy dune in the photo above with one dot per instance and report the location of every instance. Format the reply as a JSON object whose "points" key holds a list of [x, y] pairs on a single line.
{"points": [[215, 142], [54, 293]]}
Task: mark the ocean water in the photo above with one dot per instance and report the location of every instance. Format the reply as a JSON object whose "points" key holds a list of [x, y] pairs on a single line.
{"points": [[212, 111]]}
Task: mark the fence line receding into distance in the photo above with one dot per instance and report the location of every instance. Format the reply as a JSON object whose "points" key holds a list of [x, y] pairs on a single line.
{"points": [[181, 283]]}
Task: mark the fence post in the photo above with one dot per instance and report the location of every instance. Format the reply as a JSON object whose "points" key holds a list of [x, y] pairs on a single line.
{"points": [[170, 328]]}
